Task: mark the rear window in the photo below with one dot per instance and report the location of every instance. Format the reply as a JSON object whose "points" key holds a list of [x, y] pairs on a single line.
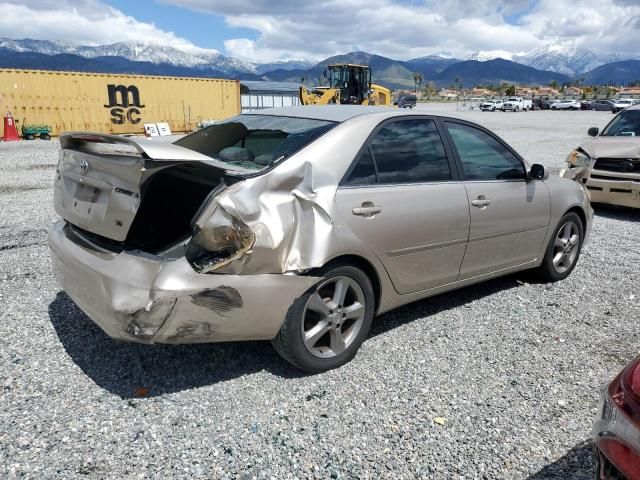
{"points": [[626, 124], [251, 143]]}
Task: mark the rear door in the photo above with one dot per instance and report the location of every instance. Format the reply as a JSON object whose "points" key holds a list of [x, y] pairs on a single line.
{"points": [[402, 197], [509, 214]]}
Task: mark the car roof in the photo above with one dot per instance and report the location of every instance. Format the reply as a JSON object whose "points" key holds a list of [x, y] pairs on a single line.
{"points": [[331, 113]]}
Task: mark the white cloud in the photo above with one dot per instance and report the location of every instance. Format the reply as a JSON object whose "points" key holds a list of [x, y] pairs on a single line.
{"points": [[88, 22], [401, 29]]}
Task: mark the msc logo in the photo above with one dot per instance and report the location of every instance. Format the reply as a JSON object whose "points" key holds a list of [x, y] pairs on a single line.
{"points": [[124, 103]]}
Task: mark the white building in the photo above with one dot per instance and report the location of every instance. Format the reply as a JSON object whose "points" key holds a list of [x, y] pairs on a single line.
{"points": [[256, 95]]}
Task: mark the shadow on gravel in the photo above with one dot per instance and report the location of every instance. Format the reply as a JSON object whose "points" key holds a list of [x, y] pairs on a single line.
{"points": [[577, 464], [123, 368], [615, 212], [446, 301]]}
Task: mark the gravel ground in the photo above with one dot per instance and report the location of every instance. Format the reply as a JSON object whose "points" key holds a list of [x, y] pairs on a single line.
{"points": [[495, 381]]}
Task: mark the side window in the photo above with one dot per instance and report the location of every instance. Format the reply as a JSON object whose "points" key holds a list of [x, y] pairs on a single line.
{"points": [[364, 172], [410, 151], [482, 156]]}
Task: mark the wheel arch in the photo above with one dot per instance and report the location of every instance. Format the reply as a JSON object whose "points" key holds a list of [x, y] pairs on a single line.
{"points": [[578, 210], [363, 264]]}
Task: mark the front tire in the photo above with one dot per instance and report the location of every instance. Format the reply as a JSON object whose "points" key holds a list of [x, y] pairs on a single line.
{"points": [[325, 327], [563, 250]]}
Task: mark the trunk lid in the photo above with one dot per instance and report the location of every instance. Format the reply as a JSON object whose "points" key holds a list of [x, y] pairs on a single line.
{"points": [[100, 179]]}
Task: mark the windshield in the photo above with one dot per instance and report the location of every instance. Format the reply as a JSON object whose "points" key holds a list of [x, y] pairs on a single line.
{"points": [[251, 143], [626, 124], [513, 99]]}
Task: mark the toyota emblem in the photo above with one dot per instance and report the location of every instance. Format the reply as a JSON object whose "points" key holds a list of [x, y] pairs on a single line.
{"points": [[627, 166], [84, 167]]}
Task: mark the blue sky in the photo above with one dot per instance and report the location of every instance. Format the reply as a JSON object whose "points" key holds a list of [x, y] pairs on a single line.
{"points": [[206, 30]]}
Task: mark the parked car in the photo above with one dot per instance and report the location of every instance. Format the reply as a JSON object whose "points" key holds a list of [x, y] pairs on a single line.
{"points": [[407, 100], [616, 431], [299, 225], [491, 105], [609, 164], [602, 105], [550, 103], [566, 105], [542, 104], [621, 103], [585, 105], [515, 104]]}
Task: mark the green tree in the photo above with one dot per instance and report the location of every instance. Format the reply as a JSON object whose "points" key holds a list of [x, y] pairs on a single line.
{"points": [[430, 90], [417, 81]]}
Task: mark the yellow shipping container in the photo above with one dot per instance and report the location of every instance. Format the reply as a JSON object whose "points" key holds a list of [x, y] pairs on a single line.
{"points": [[113, 103]]}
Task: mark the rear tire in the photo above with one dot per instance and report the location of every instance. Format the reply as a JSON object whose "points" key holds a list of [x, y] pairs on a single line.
{"points": [[563, 250], [325, 326]]}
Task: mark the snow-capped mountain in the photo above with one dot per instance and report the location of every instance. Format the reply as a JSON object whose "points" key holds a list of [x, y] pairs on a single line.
{"points": [[39, 46], [200, 58], [569, 60], [485, 56]]}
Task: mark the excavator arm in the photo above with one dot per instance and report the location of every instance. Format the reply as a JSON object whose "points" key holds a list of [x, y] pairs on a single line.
{"points": [[319, 96]]}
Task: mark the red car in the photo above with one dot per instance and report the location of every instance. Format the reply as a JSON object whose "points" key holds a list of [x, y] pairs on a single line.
{"points": [[616, 432]]}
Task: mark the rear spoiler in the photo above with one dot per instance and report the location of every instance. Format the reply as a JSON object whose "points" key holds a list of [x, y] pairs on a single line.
{"points": [[150, 149]]}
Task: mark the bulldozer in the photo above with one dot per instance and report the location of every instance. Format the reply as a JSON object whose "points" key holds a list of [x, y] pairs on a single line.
{"points": [[349, 84]]}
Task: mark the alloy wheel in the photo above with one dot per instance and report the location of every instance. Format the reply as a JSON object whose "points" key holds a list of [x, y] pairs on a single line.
{"points": [[566, 247], [333, 316]]}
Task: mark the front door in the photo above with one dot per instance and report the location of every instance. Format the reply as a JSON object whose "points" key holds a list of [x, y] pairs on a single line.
{"points": [[402, 200], [509, 214]]}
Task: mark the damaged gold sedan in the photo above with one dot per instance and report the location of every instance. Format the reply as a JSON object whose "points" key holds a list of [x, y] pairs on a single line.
{"points": [[299, 225]]}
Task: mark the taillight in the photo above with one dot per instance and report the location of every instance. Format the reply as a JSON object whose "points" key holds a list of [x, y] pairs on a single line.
{"points": [[223, 239], [633, 380], [616, 431], [622, 456]]}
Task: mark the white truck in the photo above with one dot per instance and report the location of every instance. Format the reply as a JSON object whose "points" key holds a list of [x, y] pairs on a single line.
{"points": [[516, 104]]}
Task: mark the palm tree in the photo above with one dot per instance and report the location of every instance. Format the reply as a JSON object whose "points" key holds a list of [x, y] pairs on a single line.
{"points": [[458, 82]]}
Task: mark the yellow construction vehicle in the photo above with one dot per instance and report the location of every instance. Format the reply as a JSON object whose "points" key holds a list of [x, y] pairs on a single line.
{"points": [[348, 84]]}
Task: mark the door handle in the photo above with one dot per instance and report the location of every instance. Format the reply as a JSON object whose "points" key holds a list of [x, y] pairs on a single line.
{"points": [[481, 202], [368, 209]]}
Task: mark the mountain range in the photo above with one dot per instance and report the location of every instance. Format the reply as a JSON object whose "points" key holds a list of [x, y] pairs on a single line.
{"points": [[540, 66]]}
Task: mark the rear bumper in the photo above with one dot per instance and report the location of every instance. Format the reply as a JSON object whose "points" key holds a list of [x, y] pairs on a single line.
{"points": [[147, 299]]}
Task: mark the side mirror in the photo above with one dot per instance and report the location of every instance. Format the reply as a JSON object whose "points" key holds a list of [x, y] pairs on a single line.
{"points": [[593, 131], [538, 172]]}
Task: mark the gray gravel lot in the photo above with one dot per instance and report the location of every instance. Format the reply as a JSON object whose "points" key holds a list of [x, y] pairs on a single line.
{"points": [[511, 369]]}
